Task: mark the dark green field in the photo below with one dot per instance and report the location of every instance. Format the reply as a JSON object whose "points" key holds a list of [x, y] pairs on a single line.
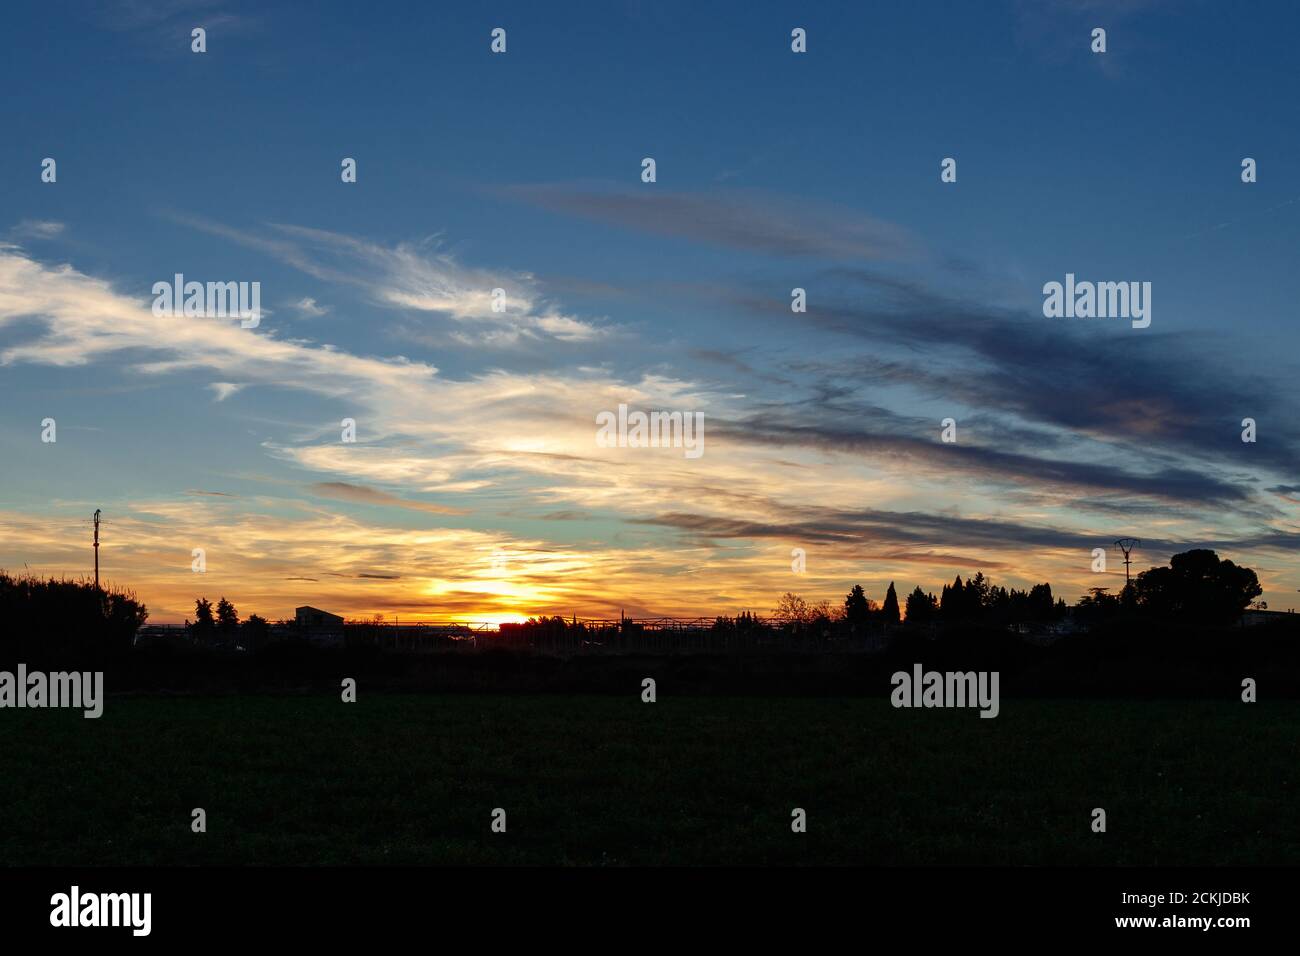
{"points": [[603, 780]]}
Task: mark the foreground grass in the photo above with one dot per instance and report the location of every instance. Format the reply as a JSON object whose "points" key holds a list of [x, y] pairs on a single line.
{"points": [[603, 780]]}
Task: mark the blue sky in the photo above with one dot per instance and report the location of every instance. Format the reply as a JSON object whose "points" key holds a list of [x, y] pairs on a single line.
{"points": [[522, 170]]}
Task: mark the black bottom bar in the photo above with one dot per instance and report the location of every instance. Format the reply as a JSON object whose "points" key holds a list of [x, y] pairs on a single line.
{"points": [[620, 906]]}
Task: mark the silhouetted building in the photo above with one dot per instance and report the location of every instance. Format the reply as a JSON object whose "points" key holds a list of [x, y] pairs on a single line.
{"points": [[307, 616], [317, 626]]}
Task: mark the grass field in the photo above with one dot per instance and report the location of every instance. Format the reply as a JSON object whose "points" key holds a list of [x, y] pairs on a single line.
{"points": [[603, 780]]}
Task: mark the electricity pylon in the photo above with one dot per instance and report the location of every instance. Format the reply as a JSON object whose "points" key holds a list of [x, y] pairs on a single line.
{"points": [[1127, 545]]}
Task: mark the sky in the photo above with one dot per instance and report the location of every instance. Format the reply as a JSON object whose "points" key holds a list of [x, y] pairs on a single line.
{"points": [[477, 488]]}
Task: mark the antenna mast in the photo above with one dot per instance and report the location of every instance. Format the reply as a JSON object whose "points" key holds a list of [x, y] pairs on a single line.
{"points": [[96, 549]]}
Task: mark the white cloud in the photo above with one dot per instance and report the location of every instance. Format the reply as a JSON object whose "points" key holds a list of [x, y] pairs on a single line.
{"points": [[467, 431], [224, 389], [308, 307], [419, 277], [38, 229]]}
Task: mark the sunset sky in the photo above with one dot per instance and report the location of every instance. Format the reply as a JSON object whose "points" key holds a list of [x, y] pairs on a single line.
{"points": [[476, 489]]}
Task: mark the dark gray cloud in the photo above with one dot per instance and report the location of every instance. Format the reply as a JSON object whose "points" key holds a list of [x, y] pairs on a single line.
{"points": [[910, 530], [740, 219], [890, 529], [1111, 382]]}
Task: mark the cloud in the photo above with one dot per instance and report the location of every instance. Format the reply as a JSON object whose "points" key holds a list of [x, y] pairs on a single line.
{"points": [[85, 320], [747, 220], [308, 308], [875, 529], [162, 27], [38, 229], [1144, 389], [224, 390], [419, 277], [360, 494], [1059, 31], [1171, 484], [888, 528]]}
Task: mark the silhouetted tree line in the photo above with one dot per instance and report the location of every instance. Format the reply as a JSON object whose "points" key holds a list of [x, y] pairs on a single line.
{"points": [[1197, 586], [744, 624], [224, 629], [981, 601], [75, 623], [976, 601]]}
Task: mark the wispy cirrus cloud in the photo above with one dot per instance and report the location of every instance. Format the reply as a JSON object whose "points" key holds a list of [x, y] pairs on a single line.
{"points": [[38, 229], [990, 462], [748, 220], [362, 494], [163, 27], [420, 277]]}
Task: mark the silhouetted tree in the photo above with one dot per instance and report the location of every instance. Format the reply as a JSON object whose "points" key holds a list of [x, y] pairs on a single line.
{"points": [[1041, 607], [890, 609], [1128, 600], [857, 609], [952, 602], [821, 616], [1096, 606], [997, 605], [64, 623], [204, 624], [1197, 586], [256, 632], [227, 616], [922, 608], [824, 609], [792, 610]]}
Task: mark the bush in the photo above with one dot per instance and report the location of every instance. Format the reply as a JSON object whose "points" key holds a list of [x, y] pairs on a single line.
{"points": [[62, 622]]}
